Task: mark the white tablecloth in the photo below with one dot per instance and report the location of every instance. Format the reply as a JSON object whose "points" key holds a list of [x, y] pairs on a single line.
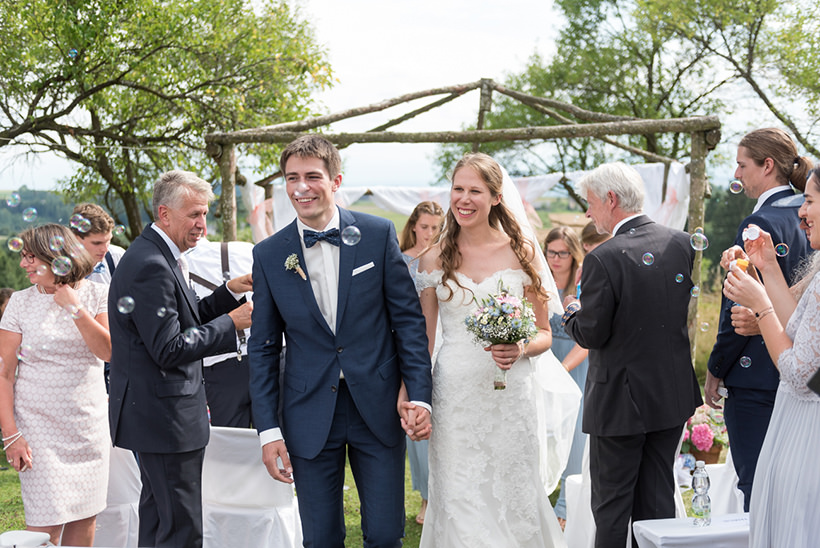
{"points": [[727, 531]]}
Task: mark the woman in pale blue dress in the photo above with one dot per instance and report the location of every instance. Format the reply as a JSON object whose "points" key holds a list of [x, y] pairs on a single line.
{"points": [[420, 231]]}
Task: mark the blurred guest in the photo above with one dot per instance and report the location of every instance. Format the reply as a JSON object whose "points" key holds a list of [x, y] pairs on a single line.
{"points": [[783, 507], [53, 338], [767, 161], [227, 376], [95, 228], [420, 231], [564, 253], [5, 293]]}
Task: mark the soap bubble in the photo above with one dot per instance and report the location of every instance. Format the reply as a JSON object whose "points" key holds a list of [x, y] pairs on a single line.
{"points": [[631, 231], [41, 270], [13, 200], [125, 305], [15, 244], [301, 190], [648, 259], [84, 225], [781, 250], [698, 230], [72, 53], [56, 242], [351, 235], [74, 310], [678, 278], [61, 265], [29, 215], [23, 351], [704, 327], [190, 335], [698, 241], [119, 230], [736, 187], [75, 219], [161, 312], [695, 291], [745, 361]]}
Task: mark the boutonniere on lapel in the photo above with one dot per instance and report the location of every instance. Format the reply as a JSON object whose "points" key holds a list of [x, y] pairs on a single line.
{"points": [[292, 263]]}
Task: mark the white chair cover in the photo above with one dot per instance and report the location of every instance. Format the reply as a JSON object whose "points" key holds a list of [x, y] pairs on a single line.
{"points": [[241, 504], [118, 524], [726, 497], [12, 539]]}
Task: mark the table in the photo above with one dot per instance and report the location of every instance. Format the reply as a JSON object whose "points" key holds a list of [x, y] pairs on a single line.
{"points": [[727, 531]]}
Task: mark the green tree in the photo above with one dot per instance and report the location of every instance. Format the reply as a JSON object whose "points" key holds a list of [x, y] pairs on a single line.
{"points": [[128, 88], [611, 57]]}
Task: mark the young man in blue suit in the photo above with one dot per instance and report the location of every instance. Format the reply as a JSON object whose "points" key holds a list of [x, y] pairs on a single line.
{"points": [[767, 160], [334, 285]]}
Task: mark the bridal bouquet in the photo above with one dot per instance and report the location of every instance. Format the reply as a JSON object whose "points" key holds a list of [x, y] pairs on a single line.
{"points": [[501, 319]]}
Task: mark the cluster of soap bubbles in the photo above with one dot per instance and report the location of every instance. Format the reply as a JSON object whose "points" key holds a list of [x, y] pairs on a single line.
{"points": [[29, 214], [80, 223]]}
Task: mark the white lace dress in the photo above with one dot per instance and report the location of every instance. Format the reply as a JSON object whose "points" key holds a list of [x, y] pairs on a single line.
{"points": [[784, 509], [484, 458]]}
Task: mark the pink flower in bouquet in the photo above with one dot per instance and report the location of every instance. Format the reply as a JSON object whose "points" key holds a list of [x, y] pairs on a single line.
{"points": [[702, 437], [686, 435]]}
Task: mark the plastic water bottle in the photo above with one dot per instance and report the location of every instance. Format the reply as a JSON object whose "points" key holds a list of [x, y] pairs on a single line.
{"points": [[701, 503]]}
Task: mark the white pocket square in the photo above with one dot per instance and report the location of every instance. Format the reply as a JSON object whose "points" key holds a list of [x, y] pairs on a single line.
{"points": [[360, 269]]}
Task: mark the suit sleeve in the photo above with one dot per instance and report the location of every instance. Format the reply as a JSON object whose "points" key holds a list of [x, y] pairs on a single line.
{"points": [[264, 347], [407, 322], [591, 326]]}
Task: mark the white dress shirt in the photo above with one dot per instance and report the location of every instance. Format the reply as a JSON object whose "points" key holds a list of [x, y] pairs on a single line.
{"points": [[765, 196]]}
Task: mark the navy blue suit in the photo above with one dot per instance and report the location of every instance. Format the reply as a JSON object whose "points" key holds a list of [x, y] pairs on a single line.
{"points": [[379, 340], [157, 395], [744, 363]]}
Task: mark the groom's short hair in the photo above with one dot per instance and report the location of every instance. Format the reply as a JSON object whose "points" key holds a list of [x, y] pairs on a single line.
{"points": [[313, 146]]}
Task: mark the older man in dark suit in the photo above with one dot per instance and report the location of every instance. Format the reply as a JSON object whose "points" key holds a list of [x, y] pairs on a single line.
{"points": [[641, 386], [159, 334]]}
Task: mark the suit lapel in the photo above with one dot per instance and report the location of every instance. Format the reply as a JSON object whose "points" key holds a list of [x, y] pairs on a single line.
{"points": [[190, 296], [347, 258], [293, 244]]}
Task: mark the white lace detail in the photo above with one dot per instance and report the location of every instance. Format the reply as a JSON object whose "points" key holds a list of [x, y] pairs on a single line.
{"points": [[799, 363], [484, 461]]}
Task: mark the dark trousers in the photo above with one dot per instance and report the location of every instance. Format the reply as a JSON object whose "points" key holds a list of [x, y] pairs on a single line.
{"points": [[747, 413], [171, 499], [632, 477], [379, 474], [227, 387]]}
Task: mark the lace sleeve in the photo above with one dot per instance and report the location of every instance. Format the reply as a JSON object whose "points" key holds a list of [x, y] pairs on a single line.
{"points": [[424, 280], [799, 363]]}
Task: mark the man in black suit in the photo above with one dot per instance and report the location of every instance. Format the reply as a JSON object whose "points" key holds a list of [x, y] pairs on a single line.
{"points": [[641, 386], [160, 333]]}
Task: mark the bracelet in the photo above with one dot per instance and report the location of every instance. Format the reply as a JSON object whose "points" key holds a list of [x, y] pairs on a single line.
{"points": [[765, 312], [16, 437], [13, 435]]}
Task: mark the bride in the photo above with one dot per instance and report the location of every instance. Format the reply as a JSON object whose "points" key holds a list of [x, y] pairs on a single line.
{"points": [[484, 450]]}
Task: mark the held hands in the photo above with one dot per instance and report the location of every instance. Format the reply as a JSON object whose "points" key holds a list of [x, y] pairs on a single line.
{"points": [[241, 284], [241, 315], [270, 453], [415, 420]]}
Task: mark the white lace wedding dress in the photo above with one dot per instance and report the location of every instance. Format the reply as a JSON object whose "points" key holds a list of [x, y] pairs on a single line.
{"points": [[784, 509], [484, 451]]}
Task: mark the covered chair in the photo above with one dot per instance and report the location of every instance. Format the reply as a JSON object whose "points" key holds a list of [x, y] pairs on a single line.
{"points": [[241, 504], [118, 524]]}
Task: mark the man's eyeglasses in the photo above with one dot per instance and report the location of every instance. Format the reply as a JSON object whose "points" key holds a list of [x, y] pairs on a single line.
{"points": [[553, 254], [27, 257]]}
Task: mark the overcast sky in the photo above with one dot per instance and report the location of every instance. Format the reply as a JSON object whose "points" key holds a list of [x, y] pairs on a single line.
{"points": [[381, 49]]}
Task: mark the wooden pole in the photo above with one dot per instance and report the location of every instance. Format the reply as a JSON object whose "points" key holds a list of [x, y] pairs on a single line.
{"points": [[227, 202], [697, 192], [485, 104]]}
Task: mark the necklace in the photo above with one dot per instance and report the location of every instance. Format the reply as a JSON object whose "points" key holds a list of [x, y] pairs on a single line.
{"points": [[40, 289]]}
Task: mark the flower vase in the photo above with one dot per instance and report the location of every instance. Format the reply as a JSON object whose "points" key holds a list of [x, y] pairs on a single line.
{"points": [[712, 456], [500, 380]]}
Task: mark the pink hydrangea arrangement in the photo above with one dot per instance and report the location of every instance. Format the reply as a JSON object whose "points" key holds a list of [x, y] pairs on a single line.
{"points": [[704, 429]]}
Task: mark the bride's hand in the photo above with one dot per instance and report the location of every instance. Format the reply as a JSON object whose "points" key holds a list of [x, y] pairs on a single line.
{"points": [[505, 355]]}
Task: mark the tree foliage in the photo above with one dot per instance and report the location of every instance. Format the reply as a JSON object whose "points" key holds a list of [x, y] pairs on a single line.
{"points": [[128, 88]]}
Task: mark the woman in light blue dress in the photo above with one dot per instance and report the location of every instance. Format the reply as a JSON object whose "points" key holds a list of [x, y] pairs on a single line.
{"points": [[420, 231]]}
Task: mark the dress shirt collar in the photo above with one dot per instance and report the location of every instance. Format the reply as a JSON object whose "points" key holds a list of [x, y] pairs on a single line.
{"points": [[623, 221], [171, 245], [333, 223], [766, 195]]}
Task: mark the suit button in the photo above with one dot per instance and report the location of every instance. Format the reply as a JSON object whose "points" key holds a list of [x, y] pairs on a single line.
{"points": [[333, 388], [339, 350]]}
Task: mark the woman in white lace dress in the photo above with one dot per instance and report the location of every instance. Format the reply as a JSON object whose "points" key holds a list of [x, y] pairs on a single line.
{"points": [[784, 509], [53, 405], [484, 451]]}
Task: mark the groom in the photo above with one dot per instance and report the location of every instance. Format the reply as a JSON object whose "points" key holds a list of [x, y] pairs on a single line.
{"points": [[333, 283]]}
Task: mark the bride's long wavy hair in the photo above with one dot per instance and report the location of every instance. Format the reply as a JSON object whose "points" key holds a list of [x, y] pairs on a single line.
{"points": [[499, 218]]}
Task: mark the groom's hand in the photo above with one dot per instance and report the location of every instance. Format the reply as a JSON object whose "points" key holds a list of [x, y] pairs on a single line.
{"points": [[415, 420], [270, 453]]}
